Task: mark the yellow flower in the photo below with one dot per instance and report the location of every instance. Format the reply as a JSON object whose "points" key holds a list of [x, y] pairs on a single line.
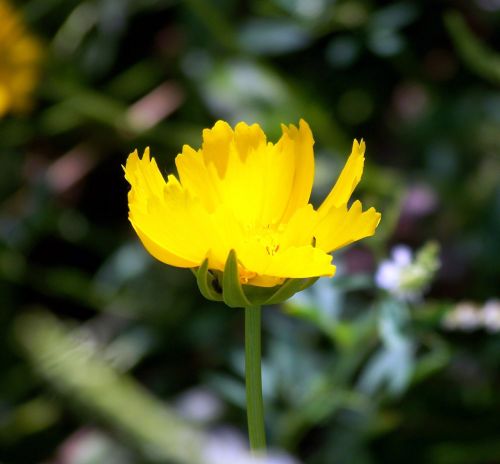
{"points": [[20, 55], [240, 192]]}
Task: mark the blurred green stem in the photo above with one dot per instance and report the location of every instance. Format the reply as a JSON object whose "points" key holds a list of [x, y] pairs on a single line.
{"points": [[482, 60], [77, 370], [255, 407]]}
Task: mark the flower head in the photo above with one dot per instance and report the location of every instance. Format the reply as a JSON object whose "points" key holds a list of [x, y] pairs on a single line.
{"points": [[20, 55], [240, 192]]}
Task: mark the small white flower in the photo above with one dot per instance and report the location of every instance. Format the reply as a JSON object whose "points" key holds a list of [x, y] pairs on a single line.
{"points": [[402, 255], [468, 316], [405, 275], [465, 316], [199, 405], [388, 274], [491, 316], [228, 446]]}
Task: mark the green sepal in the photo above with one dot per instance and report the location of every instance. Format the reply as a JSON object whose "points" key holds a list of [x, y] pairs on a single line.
{"points": [[236, 295], [290, 288], [205, 280], [259, 295], [232, 291], [279, 293]]}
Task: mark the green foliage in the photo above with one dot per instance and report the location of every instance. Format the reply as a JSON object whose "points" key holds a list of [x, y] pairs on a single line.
{"points": [[71, 366]]}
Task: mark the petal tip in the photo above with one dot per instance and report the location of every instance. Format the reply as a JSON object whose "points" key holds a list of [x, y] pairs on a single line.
{"points": [[305, 129], [359, 147], [333, 270]]}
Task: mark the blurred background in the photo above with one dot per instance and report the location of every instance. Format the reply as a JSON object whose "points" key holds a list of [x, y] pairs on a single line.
{"points": [[107, 356]]}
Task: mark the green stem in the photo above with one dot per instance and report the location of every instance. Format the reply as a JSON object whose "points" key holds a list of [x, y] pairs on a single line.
{"points": [[255, 407]]}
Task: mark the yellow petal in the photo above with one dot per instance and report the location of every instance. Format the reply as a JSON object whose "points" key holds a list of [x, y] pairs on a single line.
{"points": [[173, 226], [159, 251], [196, 177], [228, 169], [298, 145], [256, 180], [300, 262], [144, 177], [242, 187], [248, 138], [301, 227], [215, 146], [293, 262], [348, 179], [263, 281], [340, 227]]}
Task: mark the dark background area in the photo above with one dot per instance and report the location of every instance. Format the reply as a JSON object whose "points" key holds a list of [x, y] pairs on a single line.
{"points": [[419, 81]]}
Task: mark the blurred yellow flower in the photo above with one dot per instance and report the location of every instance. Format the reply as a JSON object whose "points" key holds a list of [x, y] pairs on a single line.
{"points": [[20, 55], [240, 192]]}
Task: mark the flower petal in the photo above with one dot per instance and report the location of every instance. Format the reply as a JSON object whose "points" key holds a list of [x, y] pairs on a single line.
{"points": [[298, 145], [218, 141], [173, 226], [301, 227], [196, 177], [159, 251], [228, 170], [298, 262], [293, 262], [215, 146], [348, 179], [260, 182], [340, 227], [144, 177]]}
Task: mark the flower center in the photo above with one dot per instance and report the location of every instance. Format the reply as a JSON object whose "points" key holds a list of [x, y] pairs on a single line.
{"points": [[268, 237]]}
